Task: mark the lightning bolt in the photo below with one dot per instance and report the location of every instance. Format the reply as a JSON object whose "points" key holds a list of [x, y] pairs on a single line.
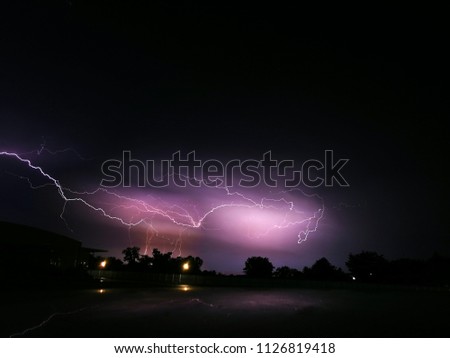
{"points": [[46, 321], [44, 149], [145, 211]]}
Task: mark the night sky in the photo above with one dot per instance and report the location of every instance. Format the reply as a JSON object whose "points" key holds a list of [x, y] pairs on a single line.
{"points": [[82, 82]]}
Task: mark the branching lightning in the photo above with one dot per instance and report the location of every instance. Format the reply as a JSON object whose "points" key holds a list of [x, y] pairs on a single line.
{"points": [[132, 211], [46, 321]]}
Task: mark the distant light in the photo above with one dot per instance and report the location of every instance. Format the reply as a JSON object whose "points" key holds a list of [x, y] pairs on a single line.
{"points": [[353, 278], [186, 266], [101, 290], [103, 264]]}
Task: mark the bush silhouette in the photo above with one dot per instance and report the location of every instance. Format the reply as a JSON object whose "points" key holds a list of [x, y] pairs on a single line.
{"points": [[258, 266]]}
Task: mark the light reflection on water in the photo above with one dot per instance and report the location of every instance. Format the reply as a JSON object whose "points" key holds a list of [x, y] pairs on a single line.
{"points": [[239, 299]]}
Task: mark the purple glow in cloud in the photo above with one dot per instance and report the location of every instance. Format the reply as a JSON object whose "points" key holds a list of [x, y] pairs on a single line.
{"points": [[254, 218]]}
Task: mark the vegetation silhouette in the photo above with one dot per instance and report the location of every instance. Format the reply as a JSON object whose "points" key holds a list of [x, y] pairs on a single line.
{"points": [[364, 267], [324, 270], [37, 255], [159, 262], [257, 266], [287, 273], [368, 266], [131, 255]]}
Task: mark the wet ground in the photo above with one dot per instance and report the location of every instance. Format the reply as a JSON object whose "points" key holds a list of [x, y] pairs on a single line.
{"points": [[187, 311]]}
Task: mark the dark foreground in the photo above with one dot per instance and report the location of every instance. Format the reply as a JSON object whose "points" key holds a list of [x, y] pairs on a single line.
{"points": [[186, 311]]}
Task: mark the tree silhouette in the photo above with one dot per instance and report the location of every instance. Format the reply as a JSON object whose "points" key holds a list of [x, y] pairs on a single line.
{"points": [[367, 266], [323, 270], [258, 266], [145, 262], [113, 263], [287, 272], [195, 264], [163, 262], [131, 255]]}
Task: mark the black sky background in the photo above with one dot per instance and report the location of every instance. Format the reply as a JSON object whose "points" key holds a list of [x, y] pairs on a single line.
{"points": [[235, 81]]}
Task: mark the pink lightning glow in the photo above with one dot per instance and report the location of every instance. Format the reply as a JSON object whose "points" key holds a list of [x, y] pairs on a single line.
{"points": [[242, 218]]}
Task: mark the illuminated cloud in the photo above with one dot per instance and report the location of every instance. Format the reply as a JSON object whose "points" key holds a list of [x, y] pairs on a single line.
{"points": [[257, 217]]}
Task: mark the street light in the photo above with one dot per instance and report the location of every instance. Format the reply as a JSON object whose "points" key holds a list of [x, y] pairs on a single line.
{"points": [[103, 264], [186, 266]]}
